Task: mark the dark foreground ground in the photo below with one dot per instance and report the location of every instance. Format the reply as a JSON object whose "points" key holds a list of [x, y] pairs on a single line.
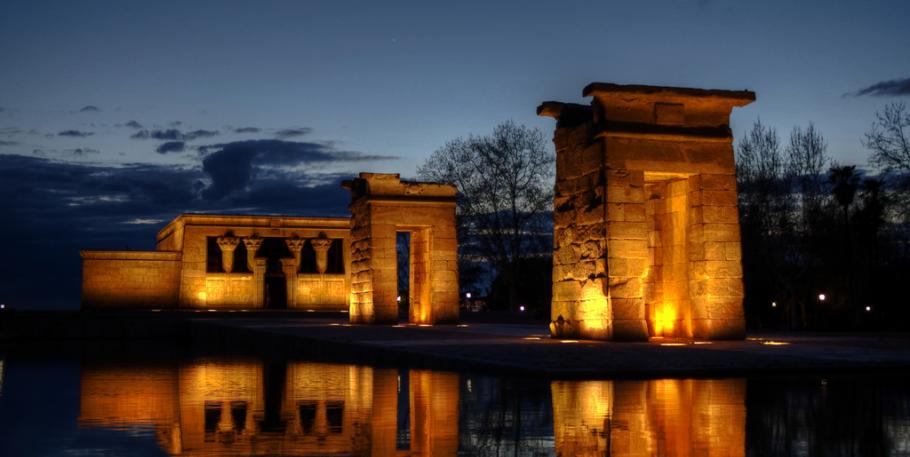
{"points": [[515, 348]]}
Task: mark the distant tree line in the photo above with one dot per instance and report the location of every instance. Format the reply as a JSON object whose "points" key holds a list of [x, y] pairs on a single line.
{"points": [[825, 245]]}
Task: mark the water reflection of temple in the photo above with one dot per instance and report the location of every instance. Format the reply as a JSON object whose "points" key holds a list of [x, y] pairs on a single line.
{"points": [[263, 408], [255, 408], [645, 418]]}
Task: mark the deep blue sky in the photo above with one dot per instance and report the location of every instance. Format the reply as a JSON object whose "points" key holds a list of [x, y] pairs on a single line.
{"points": [[263, 106]]}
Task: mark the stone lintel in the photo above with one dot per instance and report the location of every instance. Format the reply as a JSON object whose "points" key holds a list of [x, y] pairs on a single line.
{"points": [[131, 255], [732, 97], [643, 131], [390, 186]]}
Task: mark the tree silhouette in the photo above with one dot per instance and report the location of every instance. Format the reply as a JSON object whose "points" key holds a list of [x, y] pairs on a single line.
{"points": [[505, 193]]}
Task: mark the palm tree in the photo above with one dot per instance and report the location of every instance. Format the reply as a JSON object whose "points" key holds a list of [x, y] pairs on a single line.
{"points": [[845, 181]]}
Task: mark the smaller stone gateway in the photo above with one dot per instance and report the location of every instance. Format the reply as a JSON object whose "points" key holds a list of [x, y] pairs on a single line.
{"points": [[382, 206], [646, 230]]}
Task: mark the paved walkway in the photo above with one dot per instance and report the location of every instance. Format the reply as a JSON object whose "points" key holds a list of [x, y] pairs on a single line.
{"points": [[527, 350]]}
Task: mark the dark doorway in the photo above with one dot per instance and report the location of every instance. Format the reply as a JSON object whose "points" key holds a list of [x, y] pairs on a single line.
{"points": [[403, 249], [276, 292], [276, 289]]}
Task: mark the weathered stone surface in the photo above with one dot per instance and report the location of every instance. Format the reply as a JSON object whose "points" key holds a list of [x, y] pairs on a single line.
{"points": [[382, 205], [645, 186]]}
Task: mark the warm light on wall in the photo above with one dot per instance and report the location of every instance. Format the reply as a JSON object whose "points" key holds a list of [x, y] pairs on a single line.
{"points": [[664, 319], [202, 296]]}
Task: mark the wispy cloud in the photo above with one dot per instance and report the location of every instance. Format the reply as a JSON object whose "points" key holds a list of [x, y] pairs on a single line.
{"points": [[75, 133], [894, 87], [89, 109], [170, 146], [247, 130], [292, 132]]}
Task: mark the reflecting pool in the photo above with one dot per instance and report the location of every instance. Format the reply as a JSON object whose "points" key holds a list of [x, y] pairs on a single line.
{"points": [[248, 406]]}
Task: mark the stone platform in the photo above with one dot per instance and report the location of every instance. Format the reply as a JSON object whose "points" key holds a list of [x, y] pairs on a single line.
{"points": [[527, 350]]}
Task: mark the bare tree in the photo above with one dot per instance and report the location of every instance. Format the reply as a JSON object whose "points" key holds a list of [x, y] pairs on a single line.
{"points": [[505, 189], [806, 163], [889, 139]]}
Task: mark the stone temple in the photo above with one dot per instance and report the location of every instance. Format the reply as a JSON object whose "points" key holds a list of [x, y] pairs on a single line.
{"points": [[646, 231], [220, 262], [646, 234]]}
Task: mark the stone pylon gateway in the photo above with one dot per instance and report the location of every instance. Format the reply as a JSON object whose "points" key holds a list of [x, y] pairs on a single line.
{"points": [[646, 231], [382, 206]]}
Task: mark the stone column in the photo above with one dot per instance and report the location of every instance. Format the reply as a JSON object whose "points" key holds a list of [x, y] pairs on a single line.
{"points": [[295, 245], [227, 244], [321, 245], [252, 245], [258, 282], [289, 268]]}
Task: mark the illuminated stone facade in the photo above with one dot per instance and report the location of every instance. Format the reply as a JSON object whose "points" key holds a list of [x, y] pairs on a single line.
{"points": [[646, 232], [227, 262], [382, 206]]}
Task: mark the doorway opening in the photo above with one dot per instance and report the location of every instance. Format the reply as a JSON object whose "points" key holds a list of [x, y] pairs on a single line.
{"points": [[669, 307], [276, 288], [403, 265], [413, 275]]}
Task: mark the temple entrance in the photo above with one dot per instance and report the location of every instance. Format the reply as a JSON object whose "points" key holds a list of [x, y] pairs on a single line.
{"points": [[403, 249], [276, 289], [668, 306]]}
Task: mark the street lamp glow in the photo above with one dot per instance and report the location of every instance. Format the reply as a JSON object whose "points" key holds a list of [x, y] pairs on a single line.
{"points": [[521, 308], [774, 304], [868, 308], [821, 297], [467, 295], [398, 299]]}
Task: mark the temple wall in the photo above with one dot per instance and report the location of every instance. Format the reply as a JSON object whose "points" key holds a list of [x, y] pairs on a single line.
{"points": [[328, 292], [200, 288], [130, 279], [580, 305]]}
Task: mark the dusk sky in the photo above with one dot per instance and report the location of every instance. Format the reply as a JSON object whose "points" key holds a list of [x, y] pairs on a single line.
{"points": [[117, 116]]}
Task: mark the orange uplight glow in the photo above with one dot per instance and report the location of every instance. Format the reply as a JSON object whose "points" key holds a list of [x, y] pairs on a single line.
{"points": [[664, 319], [774, 343], [202, 295]]}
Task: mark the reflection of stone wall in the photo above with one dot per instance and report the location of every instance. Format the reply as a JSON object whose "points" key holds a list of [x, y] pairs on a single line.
{"points": [[134, 279], [646, 234], [222, 408], [673, 418]]}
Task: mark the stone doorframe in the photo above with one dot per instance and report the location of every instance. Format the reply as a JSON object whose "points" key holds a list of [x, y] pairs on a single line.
{"points": [[381, 206]]}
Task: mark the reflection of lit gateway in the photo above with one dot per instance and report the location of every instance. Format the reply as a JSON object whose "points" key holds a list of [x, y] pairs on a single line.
{"points": [[244, 261]]}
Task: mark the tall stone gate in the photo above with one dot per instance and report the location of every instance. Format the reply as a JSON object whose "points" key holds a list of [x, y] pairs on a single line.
{"points": [[646, 237], [381, 207]]}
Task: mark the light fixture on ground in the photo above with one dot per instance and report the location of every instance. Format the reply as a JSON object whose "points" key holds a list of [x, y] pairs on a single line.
{"points": [[774, 304], [821, 297], [868, 308]]}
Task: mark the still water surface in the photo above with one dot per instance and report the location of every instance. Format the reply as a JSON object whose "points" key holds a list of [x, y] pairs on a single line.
{"points": [[230, 406]]}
